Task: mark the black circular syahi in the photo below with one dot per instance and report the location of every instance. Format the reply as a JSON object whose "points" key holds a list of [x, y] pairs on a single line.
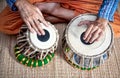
{"points": [[82, 40], [45, 37]]}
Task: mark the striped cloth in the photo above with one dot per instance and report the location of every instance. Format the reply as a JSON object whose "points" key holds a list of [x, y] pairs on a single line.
{"points": [[108, 9]]}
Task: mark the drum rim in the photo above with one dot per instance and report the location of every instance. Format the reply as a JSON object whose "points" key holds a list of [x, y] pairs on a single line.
{"points": [[36, 48], [74, 51]]}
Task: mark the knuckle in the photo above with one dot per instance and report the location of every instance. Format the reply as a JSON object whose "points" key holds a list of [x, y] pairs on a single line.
{"points": [[38, 24], [36, 8], [27, 17], [40, 29], [36, 29]]}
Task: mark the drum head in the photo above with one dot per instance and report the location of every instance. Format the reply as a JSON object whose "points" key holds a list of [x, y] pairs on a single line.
{"points": [[74, 32], [46, 41]]}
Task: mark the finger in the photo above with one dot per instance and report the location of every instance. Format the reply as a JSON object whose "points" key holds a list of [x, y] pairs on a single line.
{"points": [[94, 29], [39, 12], [34, 26], [41, 17], [41, 20], [88, 31], [100, 36], [30, 27], [91, 33], [84, 22], [88, 38], [95, 36], [38, 25], [41, 30]]}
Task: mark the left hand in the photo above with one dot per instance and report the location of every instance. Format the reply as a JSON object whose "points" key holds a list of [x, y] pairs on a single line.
{"points": [[32, 16], [94, 30]]}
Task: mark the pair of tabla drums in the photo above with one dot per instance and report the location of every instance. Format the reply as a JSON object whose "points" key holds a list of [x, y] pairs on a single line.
{"points": [[34, 50]]}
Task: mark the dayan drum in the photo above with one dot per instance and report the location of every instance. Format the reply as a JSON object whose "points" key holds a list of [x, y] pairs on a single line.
{"points": [[77, 52], [34, 50]]}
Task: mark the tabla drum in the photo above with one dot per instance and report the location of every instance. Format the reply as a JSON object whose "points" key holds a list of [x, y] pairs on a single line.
{"points": [[34, 50], [85, 56]]}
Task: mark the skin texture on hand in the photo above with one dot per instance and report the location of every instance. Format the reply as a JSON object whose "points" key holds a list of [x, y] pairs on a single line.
{"points": [[32, 16], [95, 29]]}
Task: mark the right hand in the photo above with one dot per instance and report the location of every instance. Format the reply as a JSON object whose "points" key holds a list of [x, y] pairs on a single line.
{"points": [[32, 16], [95, 29]]}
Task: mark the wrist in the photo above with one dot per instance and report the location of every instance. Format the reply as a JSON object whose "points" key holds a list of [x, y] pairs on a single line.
{"points": [[19, 3], [102, 20]]}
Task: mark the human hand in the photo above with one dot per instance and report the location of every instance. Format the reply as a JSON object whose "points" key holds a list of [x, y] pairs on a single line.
{"points": [[31, 15], [94, 30]]}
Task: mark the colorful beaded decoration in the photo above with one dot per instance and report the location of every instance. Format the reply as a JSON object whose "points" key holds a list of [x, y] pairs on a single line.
{"points": [[32, 62], [76, 66]]}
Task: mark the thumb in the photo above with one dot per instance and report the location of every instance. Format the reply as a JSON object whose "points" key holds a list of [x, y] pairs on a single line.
{"points": [[86, 22]]}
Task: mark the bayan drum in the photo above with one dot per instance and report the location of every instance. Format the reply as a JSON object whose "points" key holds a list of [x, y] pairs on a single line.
{"points": [[81, 55], [34, 50]]}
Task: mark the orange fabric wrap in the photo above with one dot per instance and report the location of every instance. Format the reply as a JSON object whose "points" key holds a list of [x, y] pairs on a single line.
{"points": [[10, 22]]}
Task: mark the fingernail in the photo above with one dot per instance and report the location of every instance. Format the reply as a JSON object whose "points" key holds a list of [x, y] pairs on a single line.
{"points": [[39, 34], [79, 24], [43, 33], [47, 24], [86, 41], [84, 38], [32, 31]]}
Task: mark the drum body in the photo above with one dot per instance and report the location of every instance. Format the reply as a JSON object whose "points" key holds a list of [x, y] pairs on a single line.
{"points": [[83, 56], [34, 50]]}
